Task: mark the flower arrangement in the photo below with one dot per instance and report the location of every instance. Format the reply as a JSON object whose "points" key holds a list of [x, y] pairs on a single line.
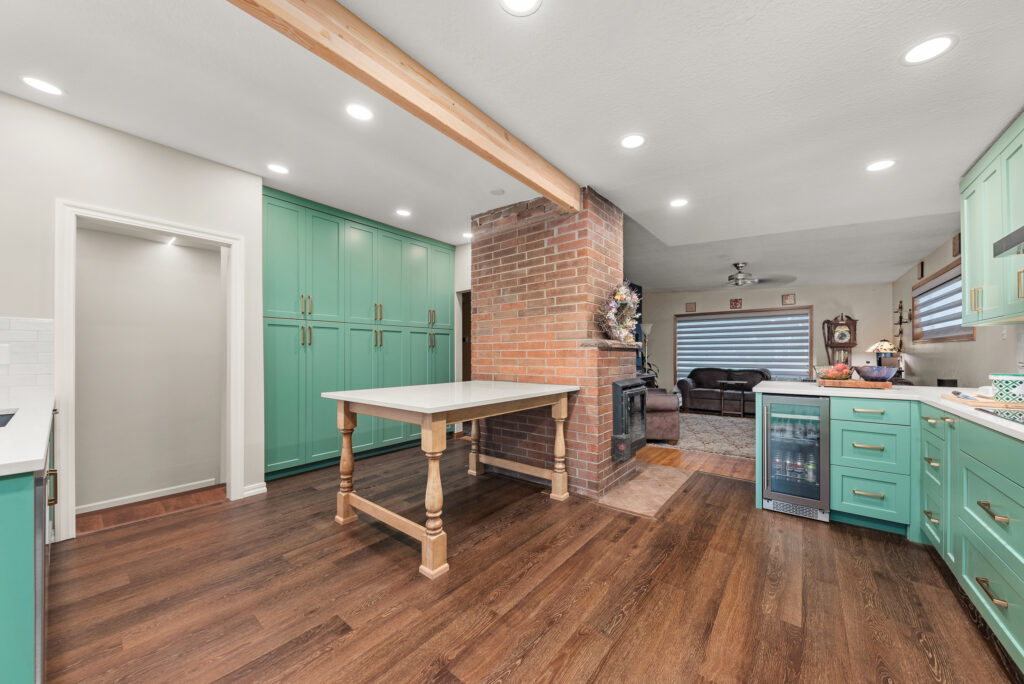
{"points": [[618, 315]]}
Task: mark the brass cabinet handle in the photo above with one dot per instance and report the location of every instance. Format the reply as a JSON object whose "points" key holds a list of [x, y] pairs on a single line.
{"points": [[303, 335], [949, 421], [382, 336], [933, 521], [987, 507], [376, 338], [970, 304], [873, 496], [303, 303], [868, 446], [1020, 295], [381, 312], [310, 329], [310, 298], [52, 501], [932, 462], [930, 421], [860, 410], [983, 583]]}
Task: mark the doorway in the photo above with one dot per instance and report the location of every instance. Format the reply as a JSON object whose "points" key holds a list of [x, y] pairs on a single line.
{"points": [[466, 309]]}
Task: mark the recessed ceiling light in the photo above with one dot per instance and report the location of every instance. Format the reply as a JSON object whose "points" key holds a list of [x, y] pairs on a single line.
{"points": [[277, 168], [358, 111], [633, 141], [468, 236], [881, 165], [42, 85], [520, 8], [679, 202], [403, 212], [928, 50]]}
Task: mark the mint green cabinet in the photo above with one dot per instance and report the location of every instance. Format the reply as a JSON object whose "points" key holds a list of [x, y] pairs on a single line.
{"points": [[391, 359], [285, 397], [416, 282], [442, 357], [388, 272], [360, 360], [360, 283], [442, 286], [326, 373], [324, 285], [17, 578], [284, 257], [972, 254]]}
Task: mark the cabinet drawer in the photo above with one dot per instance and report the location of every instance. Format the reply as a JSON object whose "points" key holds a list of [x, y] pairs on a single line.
{"points": [[1005, 499], [890, 412], [870, 493], [933, 515], [980, 570], [997, 451], [933, 459], [931, 421], [875, 447]]}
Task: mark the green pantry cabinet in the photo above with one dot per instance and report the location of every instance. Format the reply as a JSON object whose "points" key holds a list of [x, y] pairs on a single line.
{"points": [[991, 207], [348, 303]]}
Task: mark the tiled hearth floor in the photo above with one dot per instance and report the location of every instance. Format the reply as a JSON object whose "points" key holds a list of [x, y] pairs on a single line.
{"points": [[693, 461]]}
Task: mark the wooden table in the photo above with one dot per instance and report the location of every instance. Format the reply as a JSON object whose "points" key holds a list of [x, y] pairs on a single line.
{"points": [[434, 408]]}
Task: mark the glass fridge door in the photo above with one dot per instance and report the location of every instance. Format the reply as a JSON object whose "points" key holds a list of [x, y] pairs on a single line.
{"points": [[794, 434]]}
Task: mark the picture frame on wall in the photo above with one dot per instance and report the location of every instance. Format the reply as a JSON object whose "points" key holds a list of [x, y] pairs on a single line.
{"points": [[691, 307], [789, 299], [735, 303]]}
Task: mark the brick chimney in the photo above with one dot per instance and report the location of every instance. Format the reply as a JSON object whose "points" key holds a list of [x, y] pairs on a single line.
{"points": [[538, 277]]}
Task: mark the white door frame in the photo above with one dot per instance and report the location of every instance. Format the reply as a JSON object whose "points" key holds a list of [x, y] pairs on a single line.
{"points": [[65, 250]]}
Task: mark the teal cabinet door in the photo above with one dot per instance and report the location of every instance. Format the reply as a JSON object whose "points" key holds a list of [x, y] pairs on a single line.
{"points": [[284, 257], [442, 286], [358, 277], [972, 250], [991, 297], [284, 363], [388, 271], [1012, 161], [325, 355], [17, 573], [416, 282], [361, 373], [442, 361], [418, 367], [391, 360], [324, 289]]}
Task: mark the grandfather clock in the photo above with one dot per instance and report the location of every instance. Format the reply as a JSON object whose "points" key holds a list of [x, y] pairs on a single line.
{"points": [[840, 337]]}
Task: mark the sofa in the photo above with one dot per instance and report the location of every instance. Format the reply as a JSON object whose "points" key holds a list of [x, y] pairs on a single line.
{"points": [[662, 416], [701, 391]]}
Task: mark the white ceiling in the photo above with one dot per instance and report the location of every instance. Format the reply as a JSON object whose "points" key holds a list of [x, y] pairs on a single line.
{"points": [[762, 113]]}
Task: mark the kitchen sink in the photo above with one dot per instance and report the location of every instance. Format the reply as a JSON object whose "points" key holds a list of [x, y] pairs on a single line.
{"points": [[5, 417]]}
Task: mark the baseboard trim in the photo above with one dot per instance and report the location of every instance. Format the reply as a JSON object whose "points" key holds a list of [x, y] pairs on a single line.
{"points": [[254, 489], [142, 496]]}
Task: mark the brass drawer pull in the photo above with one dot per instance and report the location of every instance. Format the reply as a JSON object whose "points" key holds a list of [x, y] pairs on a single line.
{"points": [[310, 298], [873, 496], [878, 411], [932, 462], [949, 420], [868, 446], [303, 303], [987, 507], [310, 332], [983, 583], [52, 501], [929, 420], [1020, 295], [303, 335], [933, 521]]}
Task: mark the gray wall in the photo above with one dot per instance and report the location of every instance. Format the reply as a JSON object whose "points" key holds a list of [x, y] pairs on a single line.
{"points": [[151, 357], [48, 155]]}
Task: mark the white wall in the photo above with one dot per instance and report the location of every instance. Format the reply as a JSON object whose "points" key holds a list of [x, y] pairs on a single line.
{"points": [[151, 362], [993, 351], [47, 155], [871, 305]]}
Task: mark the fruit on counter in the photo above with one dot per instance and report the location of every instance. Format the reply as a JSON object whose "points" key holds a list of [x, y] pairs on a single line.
{"points": [[839, 371]]}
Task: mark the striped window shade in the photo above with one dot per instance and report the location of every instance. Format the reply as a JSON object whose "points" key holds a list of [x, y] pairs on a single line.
{"points": [[938, 309], [779, 340]]}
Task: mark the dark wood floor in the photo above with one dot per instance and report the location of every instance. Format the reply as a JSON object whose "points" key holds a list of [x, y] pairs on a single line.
{"points": [[271, 589]]}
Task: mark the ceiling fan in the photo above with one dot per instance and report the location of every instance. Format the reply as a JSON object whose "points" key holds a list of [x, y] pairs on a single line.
{"points": [[741, 278]]}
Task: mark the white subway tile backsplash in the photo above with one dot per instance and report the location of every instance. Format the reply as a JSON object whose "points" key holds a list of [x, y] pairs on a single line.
{"points": [[5, 354], [26, 359], [23, 394], [31, 324]]}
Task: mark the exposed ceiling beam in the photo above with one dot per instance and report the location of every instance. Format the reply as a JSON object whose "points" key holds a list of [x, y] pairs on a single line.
{"points": [[336, 35]]}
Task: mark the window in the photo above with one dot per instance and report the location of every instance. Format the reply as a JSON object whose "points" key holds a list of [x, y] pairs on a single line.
{"points": [[776, 339], [938, 310]]}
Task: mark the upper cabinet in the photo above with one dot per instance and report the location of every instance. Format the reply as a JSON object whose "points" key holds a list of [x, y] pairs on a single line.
{"points": [[284, 258], [991, 207]]}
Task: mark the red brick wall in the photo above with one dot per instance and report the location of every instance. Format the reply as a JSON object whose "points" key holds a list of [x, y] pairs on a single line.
{"points": [[538, 276]]}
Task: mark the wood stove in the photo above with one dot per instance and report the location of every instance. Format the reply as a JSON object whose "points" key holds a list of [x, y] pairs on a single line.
{"points": [[629, 416]]}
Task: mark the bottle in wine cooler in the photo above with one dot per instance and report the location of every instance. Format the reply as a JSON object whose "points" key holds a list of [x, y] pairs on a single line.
{"points": [[798, 466], [811, 472]]}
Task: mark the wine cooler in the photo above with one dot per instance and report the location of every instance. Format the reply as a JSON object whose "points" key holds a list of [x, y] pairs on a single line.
{"points": [[795, 438]]}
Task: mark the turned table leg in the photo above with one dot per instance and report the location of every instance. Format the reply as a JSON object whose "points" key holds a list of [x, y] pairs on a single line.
{"points": [[475, 467], [434, 558], [560, 479], [347, 424]]}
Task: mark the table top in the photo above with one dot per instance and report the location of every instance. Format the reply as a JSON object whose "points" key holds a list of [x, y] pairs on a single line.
{"points": [[449, 396]]}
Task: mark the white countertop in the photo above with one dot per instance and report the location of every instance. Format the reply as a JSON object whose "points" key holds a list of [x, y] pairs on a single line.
{"points": [[24, 440], [932, 396], [449, 396]]}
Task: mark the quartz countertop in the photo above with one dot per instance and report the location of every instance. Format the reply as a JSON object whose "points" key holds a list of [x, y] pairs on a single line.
{"points": [[24, 440], [448, 396], [932, 396]]}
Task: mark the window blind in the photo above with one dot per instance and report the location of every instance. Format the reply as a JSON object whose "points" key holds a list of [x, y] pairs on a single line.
{"points": [[777, 340], [938, 309]]}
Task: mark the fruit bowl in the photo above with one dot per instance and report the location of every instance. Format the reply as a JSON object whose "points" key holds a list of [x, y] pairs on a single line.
{"points": [[837, 372], [876, 373]]}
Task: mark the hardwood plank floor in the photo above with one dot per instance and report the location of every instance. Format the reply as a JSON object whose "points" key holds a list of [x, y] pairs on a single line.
{"points": [[271, 589], [699, 461]]}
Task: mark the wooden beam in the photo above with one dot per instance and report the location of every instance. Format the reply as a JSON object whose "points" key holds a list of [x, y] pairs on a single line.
{"points": [[336, 35]]}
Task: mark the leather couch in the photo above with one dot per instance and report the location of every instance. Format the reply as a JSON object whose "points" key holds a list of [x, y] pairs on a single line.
{"points": [[662, 415], [701, 390]]}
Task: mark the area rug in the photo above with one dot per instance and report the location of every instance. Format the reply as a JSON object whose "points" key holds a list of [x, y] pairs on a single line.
{"points": [[646, 493], [731, 436]]}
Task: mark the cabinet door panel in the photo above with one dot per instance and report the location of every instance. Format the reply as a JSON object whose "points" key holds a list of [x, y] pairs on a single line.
{"points": [[416, 282], [442, 288], [973, 251], [284, 257], [325, 352], [991, 298], [391, 360], [324, 279], [442, 366], [284, 361], [1013, 182], [360, 285], [361, 373], [419, 365], [390, 293]]}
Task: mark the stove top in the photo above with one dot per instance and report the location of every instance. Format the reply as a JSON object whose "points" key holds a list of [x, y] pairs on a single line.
{"points": [[1016, 415]]}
